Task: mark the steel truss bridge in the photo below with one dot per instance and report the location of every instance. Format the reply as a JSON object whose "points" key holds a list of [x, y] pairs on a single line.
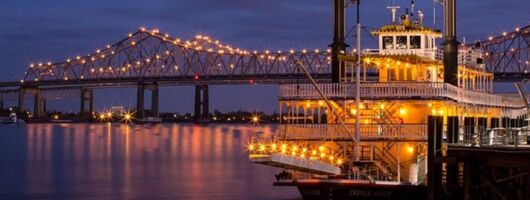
{"points": [[508, 55], [147, 59]]}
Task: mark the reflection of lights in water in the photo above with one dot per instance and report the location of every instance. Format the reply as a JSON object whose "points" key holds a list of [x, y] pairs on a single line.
{"points": [[131, 153]]}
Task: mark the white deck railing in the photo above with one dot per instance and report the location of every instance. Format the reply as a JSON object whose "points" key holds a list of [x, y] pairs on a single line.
{"points": [[368, 131], [400, 90]]}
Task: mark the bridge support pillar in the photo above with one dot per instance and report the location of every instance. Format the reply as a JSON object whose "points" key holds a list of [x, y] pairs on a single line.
{"points": [[21, 95], [39, 105], [434, 165], [201, 104], [44, 106], [87, 95], [154, 100], [140, 101]]}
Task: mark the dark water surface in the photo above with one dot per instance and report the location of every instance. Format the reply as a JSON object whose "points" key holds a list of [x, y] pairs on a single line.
{"points": [[104, 161]]}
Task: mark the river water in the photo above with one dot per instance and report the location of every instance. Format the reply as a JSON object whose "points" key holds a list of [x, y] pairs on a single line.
{"points": [[116, 161]]}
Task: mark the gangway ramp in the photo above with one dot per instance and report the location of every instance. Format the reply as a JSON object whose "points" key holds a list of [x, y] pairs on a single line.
{"points": [[295, 163]]}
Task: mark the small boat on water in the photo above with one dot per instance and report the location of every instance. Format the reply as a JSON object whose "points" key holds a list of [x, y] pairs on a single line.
{"points": [[11, 119]]}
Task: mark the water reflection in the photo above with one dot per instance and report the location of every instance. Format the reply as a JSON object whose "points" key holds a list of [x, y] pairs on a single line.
{"points": [[93, 161]]}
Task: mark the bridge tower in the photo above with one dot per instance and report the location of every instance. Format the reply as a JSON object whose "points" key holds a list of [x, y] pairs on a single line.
{"points": [[87, 95], [201, 104], [140, 100]]}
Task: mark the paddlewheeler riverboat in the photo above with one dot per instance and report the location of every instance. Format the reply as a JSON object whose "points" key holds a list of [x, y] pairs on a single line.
{"points": [[334, 147]]}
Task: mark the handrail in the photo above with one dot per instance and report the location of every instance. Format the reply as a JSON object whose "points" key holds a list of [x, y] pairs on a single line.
{"points": [[425, 90]]}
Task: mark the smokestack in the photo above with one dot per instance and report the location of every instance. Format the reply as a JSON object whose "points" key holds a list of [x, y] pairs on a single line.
{"points": [[450, 44], [337, 67]]}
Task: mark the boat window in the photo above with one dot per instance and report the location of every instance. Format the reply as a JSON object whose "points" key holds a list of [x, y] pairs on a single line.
{"points": [[415, 42], [427, 42], [401, 42], [388, 42]]}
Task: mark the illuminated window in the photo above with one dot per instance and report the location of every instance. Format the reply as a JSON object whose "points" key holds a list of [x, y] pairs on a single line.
{"points": [[415, 42], [388, 42], [401, 42]]}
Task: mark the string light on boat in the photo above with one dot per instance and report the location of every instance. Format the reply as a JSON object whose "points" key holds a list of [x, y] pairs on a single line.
{"points": [[402, 111], [302, 151], [410, 149]]}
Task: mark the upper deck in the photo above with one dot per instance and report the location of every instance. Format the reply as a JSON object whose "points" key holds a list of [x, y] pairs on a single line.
{"points": [[400, 91]]}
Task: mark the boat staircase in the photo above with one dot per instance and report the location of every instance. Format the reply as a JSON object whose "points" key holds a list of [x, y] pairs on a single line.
{"points": [[377, 163]]}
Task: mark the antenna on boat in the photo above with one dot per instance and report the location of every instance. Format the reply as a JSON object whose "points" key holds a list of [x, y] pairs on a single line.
{"points": [[434, 10], [393, 9], [412, 5]]}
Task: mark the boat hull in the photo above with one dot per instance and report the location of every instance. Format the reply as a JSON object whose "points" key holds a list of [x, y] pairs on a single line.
{"points": [[357, 191]]}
